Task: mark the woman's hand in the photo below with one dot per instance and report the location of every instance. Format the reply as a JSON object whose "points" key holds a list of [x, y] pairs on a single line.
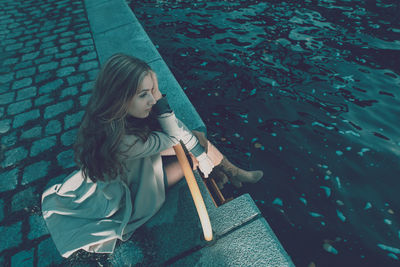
{"points": [[156, 92]]}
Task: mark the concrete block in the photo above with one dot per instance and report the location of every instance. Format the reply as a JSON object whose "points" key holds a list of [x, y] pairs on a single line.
{"points": [[108, 15], [253, 244], [120, 40], [173, 230], [233, 214]]}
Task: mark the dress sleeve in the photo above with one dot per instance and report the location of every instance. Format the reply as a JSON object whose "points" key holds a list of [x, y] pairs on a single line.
{"points": [[175, 128], [134, 147]]}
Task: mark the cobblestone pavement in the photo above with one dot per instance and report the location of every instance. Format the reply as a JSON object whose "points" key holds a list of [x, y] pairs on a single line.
{"points": [[47, 63]]}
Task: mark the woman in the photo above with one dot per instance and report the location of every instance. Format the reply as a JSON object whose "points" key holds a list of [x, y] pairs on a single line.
{"points": [[123, 149]]}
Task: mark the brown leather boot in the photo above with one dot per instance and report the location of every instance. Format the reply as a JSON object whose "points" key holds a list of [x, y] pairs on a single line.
{"points": [[238, 176]]}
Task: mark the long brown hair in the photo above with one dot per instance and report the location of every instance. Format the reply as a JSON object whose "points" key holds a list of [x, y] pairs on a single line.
{"points": [[97, 147]]}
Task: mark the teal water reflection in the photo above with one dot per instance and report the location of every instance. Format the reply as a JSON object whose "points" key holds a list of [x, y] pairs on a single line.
{"points": [[309, 92]]}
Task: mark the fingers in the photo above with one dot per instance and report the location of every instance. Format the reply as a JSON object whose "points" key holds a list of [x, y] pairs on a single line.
{"points": [[156, 91]]}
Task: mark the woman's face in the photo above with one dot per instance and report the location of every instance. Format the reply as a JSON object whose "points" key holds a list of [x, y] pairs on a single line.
{"points": [[143, 100]]}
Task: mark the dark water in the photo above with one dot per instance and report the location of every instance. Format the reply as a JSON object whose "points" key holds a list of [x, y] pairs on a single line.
{"points": [[309, 92]]}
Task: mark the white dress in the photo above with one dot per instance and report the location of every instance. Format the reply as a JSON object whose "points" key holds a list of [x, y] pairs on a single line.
{"points": [[81, 214]]}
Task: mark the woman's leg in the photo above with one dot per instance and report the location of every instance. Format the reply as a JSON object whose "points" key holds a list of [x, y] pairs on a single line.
{"points": [[223, 166], [173, 170]]}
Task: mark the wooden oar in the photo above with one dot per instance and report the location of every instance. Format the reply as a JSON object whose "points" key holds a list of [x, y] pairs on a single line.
{"points": [[195, 191]]}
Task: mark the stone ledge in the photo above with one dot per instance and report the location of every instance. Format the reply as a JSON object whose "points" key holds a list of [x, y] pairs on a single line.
{"points": [[128, 36]]}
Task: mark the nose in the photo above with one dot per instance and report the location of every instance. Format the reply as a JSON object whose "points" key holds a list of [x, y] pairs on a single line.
{"points": [[152, 100]]}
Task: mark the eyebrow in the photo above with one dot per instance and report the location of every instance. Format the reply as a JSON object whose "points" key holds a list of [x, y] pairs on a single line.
{"points": [[144, 90]]}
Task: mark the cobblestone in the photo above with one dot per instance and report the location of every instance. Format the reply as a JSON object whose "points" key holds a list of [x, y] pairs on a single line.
{"points": [[58, 108], [13, 156], [32, 55], [38, 227], [69, 61], [73, 90], [6, 98], [5, 78], [84, 99], [63, 55], [69, 46], [43, 59], [83, 36], [1, 210], [35, 171], [19, 107], [8, 180], [42, 145], [88, 65], [68, 138], [53, 127], [5, 125], [49, 38], [86, 87], [23, 65], [48, 254], [50, 51], [86, 42], [48, 66], [73, 119], [66, 159], [51, 86], [21, 119], [25, 72], [13, 47], [65, 71], [13, 231], [21, 83], [26, 93], [42, 77], [23, 258], [43, 100], [89, 56], [9, 140], [32, 133], [10, 61], [24, 200]]}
